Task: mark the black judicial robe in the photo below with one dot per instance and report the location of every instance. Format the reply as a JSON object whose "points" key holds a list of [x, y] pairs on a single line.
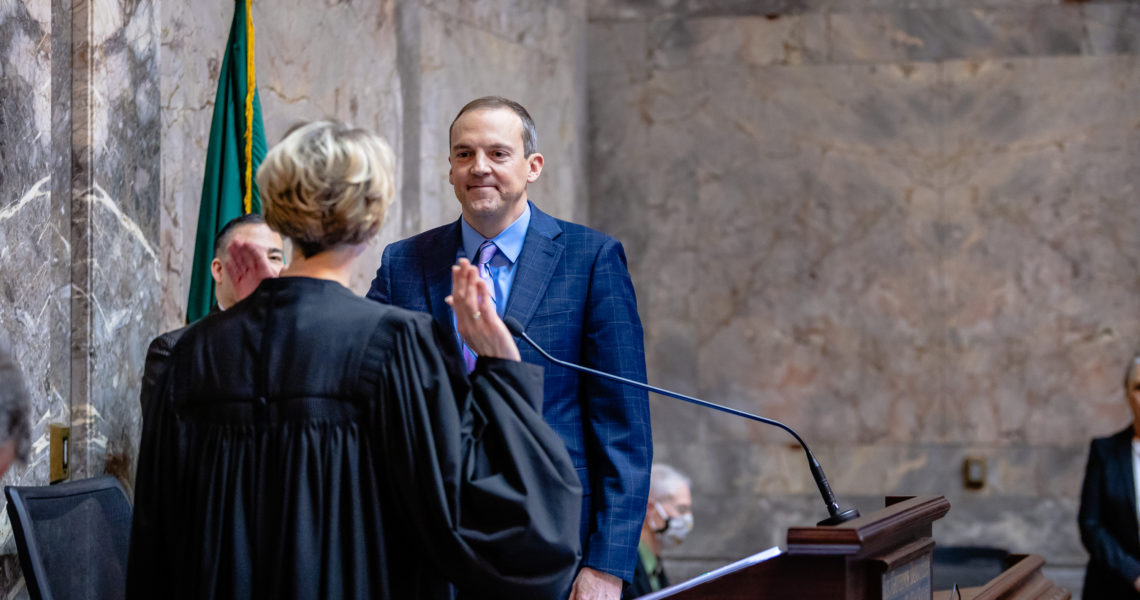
{"points": [[309, 443]]}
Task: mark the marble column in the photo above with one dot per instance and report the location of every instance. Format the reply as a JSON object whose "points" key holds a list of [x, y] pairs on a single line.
{"points": [[115, 186], [79, 189]]}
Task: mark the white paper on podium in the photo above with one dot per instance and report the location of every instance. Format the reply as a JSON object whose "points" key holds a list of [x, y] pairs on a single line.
{"points": [[755, 559]]}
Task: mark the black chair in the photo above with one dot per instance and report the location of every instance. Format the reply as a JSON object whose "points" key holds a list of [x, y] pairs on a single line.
{"points": [[72, 537]]}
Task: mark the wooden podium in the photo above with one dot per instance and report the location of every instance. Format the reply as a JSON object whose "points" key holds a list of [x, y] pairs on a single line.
{"points": [[886, 555]]}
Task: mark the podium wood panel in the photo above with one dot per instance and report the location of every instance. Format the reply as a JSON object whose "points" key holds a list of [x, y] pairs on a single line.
{"points": [[1022, 579], [885, 554]]}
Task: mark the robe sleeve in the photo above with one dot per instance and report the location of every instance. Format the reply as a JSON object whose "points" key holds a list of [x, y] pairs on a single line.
{"points": [[153, 557], [472, 464], [156, 356]]}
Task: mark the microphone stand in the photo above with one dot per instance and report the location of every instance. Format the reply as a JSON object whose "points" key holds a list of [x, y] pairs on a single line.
{"points": [[836, 515]]}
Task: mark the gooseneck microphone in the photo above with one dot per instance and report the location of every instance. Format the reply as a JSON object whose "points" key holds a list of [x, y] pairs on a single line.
{"points": [[837, 515]]}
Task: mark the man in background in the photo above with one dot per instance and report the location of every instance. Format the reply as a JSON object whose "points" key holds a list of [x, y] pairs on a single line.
{"points": [[15, 430], [668, 520], [569, 286], [1107, 518], [235, 274]]}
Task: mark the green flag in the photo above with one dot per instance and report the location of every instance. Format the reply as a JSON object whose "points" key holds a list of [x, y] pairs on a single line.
{"points": [[237, 145]]}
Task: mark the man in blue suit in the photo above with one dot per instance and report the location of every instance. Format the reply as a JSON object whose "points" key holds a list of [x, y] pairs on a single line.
{"points": [[570, 288]]}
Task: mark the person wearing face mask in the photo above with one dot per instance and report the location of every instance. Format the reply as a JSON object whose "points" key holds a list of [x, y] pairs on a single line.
{"points": [[668, 520]]}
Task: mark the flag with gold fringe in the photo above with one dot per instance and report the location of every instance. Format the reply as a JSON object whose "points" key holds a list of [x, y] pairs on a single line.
{"points": [[237, 146]]}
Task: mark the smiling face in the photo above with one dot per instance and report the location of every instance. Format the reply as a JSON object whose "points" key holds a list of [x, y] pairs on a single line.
{"points": [[489, 168]]}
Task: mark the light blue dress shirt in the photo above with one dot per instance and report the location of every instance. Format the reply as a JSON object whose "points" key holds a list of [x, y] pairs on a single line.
{"points": [[505, 262], [1136, 472]]}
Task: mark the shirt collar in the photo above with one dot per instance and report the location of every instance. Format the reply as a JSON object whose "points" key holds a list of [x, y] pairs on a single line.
{"points": [[510, 240], [648, 558]]}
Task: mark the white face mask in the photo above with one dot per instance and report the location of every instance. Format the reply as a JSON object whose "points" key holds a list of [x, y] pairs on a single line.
{"points": [[675, 528]]}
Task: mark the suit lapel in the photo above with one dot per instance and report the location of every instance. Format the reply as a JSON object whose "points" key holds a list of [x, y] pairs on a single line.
{"points": [[540, 255], [438, 258]]}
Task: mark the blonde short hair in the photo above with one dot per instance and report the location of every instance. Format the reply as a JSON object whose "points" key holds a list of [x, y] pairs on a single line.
{"points": [[327, 184]]}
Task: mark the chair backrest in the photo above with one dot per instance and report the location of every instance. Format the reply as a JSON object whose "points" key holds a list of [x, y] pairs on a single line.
{"points": [[72, 537]]}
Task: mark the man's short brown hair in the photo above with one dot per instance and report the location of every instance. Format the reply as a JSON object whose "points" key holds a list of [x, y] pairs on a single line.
{"points": [[530, 136]]}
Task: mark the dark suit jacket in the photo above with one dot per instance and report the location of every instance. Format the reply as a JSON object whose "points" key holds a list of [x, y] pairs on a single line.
{"points": [[572, 292], [1107, 519], [156, 356]]}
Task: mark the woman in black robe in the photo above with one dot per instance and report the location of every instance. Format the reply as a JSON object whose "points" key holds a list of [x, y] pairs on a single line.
{"points": [[309, 443]]}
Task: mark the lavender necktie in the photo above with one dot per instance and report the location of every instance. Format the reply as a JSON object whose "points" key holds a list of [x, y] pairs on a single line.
{"points": [[483, 258]]}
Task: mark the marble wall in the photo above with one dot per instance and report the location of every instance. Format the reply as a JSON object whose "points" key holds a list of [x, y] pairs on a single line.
{"points": [[79, 184], [905, 228]]}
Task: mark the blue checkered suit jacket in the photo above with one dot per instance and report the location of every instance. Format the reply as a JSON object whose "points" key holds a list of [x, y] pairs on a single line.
{"points": [[572, 292]]}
